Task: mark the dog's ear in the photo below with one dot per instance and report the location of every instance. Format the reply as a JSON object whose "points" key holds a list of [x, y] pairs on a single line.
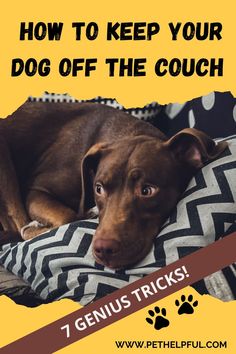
{"points": [[88, 170], [194, 147]]}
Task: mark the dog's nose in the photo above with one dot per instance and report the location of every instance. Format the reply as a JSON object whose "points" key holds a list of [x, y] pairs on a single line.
{"points": [[104, 249]]}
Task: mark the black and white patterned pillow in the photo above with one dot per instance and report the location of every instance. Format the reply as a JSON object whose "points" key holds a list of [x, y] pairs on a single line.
{"points": [[59, 264], [215, 114]]}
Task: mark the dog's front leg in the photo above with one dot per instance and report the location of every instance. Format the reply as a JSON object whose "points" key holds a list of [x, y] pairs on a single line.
{"points": [[13, 215], [47, 213]]}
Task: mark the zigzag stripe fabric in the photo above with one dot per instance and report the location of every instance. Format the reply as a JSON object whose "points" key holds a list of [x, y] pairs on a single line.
{"points": [[60, 264]]}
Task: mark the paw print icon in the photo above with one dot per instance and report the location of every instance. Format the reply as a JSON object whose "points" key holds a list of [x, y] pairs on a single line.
{"points": [[186, 305], [158, 318]]}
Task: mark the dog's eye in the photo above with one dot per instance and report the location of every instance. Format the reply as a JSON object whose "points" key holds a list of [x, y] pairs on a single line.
{"points": [[99, 188], [147, 191]]}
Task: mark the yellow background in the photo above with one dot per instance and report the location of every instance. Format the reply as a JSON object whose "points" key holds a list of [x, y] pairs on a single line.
{"points": [[213, 320], [129, 91]]}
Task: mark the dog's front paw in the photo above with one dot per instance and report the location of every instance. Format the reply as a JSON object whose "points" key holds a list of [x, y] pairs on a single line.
{"points": [[33, 229]]}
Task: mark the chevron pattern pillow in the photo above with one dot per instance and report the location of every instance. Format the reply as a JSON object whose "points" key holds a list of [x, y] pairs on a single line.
{"points": [[59, 264]]}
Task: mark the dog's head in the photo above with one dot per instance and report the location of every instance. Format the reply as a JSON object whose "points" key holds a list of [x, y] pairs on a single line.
{"points": [[135, 183]]}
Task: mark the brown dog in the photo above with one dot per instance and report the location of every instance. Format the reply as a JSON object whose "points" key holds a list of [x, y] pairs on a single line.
{"points": [[56, 158]]}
